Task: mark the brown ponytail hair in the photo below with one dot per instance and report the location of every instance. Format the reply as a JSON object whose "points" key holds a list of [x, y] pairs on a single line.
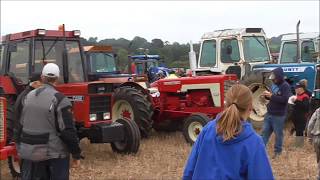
{"points": [[237, 101]]}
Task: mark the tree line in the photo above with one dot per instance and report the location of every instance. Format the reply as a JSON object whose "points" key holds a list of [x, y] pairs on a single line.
{"points": [[173, 54]]}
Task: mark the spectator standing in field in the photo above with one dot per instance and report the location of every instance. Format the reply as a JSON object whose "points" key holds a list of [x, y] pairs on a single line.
{"points": [[314, 133], [228, 147], [299, 112], [276, 109]]}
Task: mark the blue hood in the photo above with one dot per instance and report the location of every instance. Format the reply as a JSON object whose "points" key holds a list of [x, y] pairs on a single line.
{"points": [[246, 132], [279, 75]]}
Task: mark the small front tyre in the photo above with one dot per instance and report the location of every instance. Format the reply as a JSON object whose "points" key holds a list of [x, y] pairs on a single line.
{"points": [[131, 141], [193, 125], [14, 166]]}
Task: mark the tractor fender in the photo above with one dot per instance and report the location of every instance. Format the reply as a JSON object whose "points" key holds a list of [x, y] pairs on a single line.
{"points": [[137, 86], [7, 86]]}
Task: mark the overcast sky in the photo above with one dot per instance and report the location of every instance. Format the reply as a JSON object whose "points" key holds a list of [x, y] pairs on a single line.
{"points": [[179, 21]]}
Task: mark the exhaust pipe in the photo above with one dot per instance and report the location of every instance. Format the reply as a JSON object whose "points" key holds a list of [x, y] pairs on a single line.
{"points": [[298, 44], [192, 59]]}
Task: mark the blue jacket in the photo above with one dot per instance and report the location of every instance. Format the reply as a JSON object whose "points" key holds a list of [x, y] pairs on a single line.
{"points": [[280, 94], [243, 157]]}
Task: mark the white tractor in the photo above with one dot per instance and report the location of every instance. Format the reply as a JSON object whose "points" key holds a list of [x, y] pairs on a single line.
{"points": [[236, 51]]}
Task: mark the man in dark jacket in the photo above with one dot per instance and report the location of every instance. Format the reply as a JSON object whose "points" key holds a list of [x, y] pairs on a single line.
{"points": [[34, 82], [48, 131], [276, 110]]}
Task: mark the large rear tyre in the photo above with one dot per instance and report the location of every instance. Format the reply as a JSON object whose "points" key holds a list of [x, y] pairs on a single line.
{"points": [[131, 141], [14, 166], [193, 125], [257, 84], [131, 104]]}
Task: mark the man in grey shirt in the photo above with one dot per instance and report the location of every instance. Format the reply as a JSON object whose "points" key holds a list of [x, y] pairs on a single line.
{"points": [[48, 133]]}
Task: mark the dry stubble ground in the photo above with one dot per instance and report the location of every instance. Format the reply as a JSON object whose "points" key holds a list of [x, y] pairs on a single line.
{"points": [[163, 156]]}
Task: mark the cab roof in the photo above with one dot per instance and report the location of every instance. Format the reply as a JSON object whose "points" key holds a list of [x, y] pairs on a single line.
{"points": [[293, 36], [232, 32], [146, 57], [96, 48], [39, 33]]}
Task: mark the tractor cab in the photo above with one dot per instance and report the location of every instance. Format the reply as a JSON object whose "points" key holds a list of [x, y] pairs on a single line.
{"points": [[149, 65], [232, 51], [309, 45]]}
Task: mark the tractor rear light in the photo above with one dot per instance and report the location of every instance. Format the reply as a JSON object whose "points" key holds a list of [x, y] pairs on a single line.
{"points": [[93, 117], [76, 33], [41, 32], [106, 116]]}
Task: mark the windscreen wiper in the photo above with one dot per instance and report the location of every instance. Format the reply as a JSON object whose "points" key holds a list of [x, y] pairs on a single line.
{"points": [[257, 39]]}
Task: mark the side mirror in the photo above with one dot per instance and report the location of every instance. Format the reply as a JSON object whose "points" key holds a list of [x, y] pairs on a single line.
{"points": [[115, 55], [229, 50], [12, 48]]}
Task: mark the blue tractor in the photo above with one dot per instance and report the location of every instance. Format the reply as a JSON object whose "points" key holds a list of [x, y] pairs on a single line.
{"points": [[149, 65], [299, 61]]}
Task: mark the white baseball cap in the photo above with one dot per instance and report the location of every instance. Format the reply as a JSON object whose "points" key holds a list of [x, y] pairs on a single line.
{"points": [[51, 70]]}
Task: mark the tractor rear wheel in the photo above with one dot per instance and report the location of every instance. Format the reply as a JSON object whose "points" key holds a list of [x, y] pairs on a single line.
{"points": [[14, 166], [131, 104], [193, 125], [131, 141], [257, 85]]}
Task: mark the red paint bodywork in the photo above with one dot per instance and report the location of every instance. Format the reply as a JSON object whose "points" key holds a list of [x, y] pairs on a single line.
{"points": [[81, 108], [172, 104], [6, 84]]}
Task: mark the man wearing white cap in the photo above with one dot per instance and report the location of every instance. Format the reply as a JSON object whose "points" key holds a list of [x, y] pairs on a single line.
{"points": [[48, 132]]}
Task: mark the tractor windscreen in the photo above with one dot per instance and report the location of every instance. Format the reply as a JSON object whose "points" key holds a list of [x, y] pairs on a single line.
{"points": [[208, 53], [51, 51], [102, 63], [255, 49], [289, 52]]}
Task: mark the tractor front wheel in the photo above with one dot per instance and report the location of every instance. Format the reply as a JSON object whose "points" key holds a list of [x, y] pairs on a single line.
{"points": [[131, 104], [193, 125], [131, 141]]}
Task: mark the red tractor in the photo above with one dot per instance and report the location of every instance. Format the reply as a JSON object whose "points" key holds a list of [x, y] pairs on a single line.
{"points": [[27, 52], [189, 101], [167, 104]]}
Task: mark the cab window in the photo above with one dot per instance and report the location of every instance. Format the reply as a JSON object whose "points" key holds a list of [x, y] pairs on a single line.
{"points": [[230, 51], [307, 50], [19, 60], [208, 54]]}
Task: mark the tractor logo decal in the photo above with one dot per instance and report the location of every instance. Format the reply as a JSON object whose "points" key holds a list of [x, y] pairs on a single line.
{"points": [[213, 87], [76, 98], [287, 69], [172, 83]]}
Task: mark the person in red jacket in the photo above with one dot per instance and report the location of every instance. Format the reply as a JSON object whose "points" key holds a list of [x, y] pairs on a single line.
{"points": [[300, 110]]}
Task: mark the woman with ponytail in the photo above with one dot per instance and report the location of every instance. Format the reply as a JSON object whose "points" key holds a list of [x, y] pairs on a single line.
{"points": [[228, 147]]}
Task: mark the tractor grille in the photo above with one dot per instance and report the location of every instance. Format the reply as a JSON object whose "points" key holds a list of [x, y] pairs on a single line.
{"points": [[2, 120], [227, 85], [100, 105]]}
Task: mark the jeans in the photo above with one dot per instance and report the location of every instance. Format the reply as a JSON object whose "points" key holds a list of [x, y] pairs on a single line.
{"points": [[274, 124], [53, 169]]}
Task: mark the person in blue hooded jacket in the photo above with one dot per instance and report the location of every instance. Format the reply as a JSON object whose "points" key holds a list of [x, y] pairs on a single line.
{"points": [[277, 107], [228, 147]]}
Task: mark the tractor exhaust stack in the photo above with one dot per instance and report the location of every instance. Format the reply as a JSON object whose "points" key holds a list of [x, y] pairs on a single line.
{"points": [[192, 59], [298, 44]]}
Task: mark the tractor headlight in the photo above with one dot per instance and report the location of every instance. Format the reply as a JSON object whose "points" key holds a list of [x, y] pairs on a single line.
{"points": [[93, 117], [106, 116]]}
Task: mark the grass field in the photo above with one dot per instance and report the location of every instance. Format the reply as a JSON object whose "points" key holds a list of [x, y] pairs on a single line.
{"points": [[163, 156]]}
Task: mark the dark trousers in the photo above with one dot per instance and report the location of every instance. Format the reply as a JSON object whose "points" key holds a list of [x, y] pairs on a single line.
{"points": [[53, 169], [299, 122]]}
